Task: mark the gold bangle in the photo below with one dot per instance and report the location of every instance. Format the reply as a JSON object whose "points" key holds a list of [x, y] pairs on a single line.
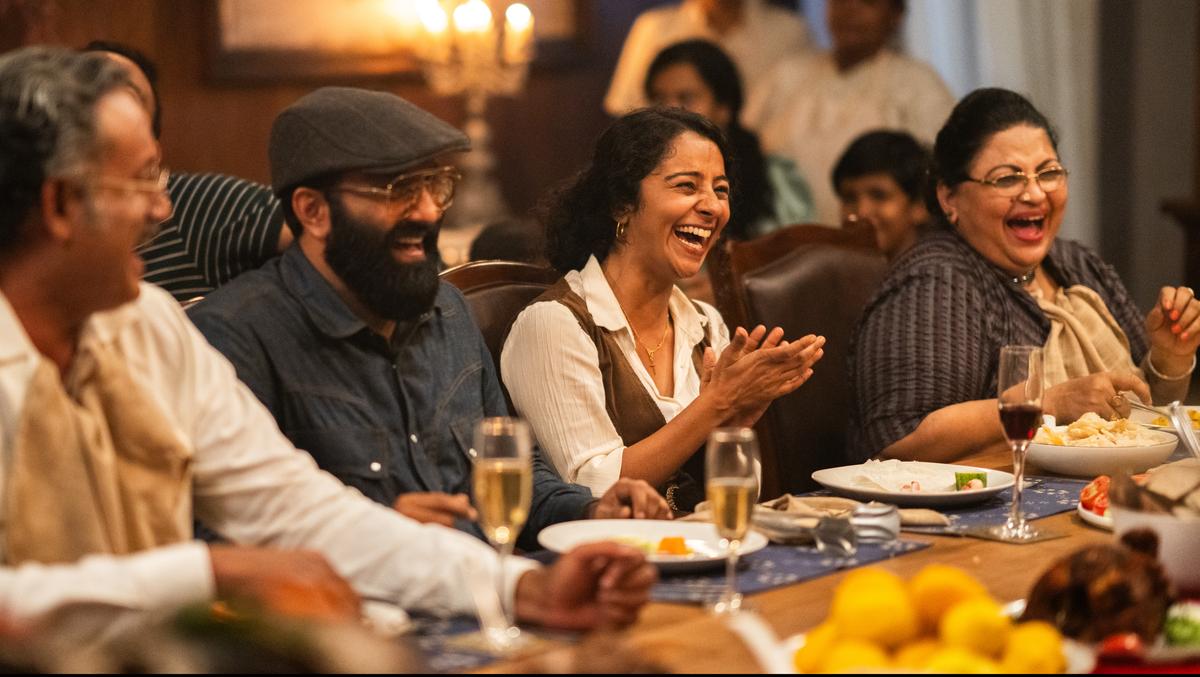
{"points": [[1163, 377]]}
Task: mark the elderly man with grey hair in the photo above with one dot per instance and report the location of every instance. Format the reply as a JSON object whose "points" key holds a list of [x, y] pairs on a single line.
{"points": [[117, 419]]}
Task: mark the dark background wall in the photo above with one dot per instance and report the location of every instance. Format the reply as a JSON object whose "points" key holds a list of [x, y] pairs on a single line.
{"points": [[539, 138], [1147, 112]]}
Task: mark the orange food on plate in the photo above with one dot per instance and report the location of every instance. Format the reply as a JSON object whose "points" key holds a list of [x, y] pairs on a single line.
{"points": [[673, 545]]}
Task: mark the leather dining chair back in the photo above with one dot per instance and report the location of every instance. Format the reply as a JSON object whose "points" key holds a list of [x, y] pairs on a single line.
{"points": [[807, 279], [497, 291]]}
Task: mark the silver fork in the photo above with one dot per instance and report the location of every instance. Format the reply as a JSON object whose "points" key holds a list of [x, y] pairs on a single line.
{"points": [[1137, 404]]}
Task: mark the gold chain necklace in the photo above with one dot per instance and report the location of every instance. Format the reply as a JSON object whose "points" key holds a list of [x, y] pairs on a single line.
{"points": [[638, 342]]}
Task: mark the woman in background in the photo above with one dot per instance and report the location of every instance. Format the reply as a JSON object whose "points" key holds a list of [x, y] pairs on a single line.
{"points": [[698, 76]]}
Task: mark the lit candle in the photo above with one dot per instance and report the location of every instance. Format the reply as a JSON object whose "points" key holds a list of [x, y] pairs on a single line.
{"points": [[473, 32], [518, 34], [436, 24], [472, 17]]}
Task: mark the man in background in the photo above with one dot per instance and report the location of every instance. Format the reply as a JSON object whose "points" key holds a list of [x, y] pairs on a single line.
{"points": [[811, 106], [222, 226], [756, 35]]}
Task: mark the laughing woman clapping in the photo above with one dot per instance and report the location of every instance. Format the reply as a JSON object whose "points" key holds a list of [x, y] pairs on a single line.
{"points": [[617, 370]]}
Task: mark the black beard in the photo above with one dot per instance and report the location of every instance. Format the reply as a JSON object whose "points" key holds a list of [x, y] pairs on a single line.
{"points": [[361, 255]]}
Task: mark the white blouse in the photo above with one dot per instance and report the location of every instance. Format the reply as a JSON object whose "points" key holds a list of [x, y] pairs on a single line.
{"points": [[551, 370]]}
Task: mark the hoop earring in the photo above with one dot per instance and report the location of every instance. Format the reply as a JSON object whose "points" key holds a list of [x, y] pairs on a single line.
{"points": [[621, 227]]}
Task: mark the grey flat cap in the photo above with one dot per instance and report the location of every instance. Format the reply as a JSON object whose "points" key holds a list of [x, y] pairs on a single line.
{"points": [[336, 129]]}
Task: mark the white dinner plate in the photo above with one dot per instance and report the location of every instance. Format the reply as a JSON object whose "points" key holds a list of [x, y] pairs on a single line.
{"points": [[1099, 521], [701, 537], [842, 481], [1147, 419], [1093, 461]]}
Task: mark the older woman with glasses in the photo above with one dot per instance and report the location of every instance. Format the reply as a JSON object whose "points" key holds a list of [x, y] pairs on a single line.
{"points": [[925, 356]]}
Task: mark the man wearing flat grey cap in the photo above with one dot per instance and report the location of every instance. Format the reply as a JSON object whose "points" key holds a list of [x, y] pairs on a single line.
{"points": [[369, 362]]}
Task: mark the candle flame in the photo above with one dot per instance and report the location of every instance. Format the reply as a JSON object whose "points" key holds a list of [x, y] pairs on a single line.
{"points": [[518, 16], [472, 17], [432, 16]]}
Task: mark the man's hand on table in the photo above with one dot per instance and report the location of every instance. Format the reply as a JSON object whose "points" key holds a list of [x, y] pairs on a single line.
{"points": [[630, 498], [595, 585], [288, 582], [432, 507]]}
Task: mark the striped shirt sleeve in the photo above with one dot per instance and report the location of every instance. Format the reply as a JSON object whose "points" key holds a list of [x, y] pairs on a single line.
{"points": [[222, 227]]}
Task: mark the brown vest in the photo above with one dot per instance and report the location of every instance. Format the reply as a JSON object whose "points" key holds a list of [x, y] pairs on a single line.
{"points": [[631, 409]]}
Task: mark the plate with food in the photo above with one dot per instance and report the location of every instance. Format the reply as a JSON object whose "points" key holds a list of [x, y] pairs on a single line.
{"points": [[1093, 503], [673, 546], [1094, 446], [1161, 422], [914, 483]]}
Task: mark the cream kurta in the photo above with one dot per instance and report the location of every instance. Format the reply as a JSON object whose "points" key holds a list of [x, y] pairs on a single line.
{"points": [[250, 484]]}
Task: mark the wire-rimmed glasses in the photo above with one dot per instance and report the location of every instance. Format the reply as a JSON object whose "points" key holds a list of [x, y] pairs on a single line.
{"points": [[404, 191], [153, 188], [1013, 184]]}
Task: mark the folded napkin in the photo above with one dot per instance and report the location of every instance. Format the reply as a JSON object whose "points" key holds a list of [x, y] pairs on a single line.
{"points": [[791, 519]]}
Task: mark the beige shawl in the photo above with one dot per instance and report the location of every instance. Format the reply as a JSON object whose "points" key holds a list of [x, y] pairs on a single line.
{"points": [[96, 467], [1084, 337]]}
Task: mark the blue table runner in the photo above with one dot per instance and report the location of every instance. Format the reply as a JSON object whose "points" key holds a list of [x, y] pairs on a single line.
{"points": [[772, 567]]}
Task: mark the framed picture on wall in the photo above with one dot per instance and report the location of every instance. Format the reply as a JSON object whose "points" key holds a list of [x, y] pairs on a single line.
{"points": [[255, 40]]}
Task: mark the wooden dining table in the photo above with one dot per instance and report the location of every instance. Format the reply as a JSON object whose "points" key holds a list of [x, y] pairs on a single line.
{"points": [[687, 638]]}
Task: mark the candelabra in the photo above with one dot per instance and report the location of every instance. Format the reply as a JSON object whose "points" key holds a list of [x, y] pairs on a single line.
{"points": [[464, 51]]}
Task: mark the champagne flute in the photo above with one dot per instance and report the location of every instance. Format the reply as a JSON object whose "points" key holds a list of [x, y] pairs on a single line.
{"points": [[1020, 382], [503, 487], [731, 481]]}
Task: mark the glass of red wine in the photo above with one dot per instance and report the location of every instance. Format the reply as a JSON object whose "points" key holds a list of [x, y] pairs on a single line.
{"points": [[1020, 384]]}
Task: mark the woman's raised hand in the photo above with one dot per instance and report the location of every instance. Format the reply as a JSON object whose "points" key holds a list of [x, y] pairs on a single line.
{"points": [[1173, 326], [758, 367]]}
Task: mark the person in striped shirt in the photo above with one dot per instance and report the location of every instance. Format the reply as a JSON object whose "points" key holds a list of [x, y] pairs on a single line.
{"points": [[222, 225]]}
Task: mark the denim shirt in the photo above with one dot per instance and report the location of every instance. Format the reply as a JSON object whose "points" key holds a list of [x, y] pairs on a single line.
{"points": [[384, 417]]}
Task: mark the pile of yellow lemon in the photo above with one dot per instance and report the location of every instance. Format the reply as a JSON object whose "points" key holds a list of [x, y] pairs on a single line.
{"points": [[942, 620]]}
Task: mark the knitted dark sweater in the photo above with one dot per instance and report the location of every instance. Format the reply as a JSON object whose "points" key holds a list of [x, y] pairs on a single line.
{"points": [[931, 335]]}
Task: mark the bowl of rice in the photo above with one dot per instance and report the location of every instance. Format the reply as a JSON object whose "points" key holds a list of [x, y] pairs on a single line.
{"points": [[1096, 446]]}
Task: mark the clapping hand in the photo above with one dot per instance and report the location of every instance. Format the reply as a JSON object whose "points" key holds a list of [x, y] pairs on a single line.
{"points": [[758, 367]]}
